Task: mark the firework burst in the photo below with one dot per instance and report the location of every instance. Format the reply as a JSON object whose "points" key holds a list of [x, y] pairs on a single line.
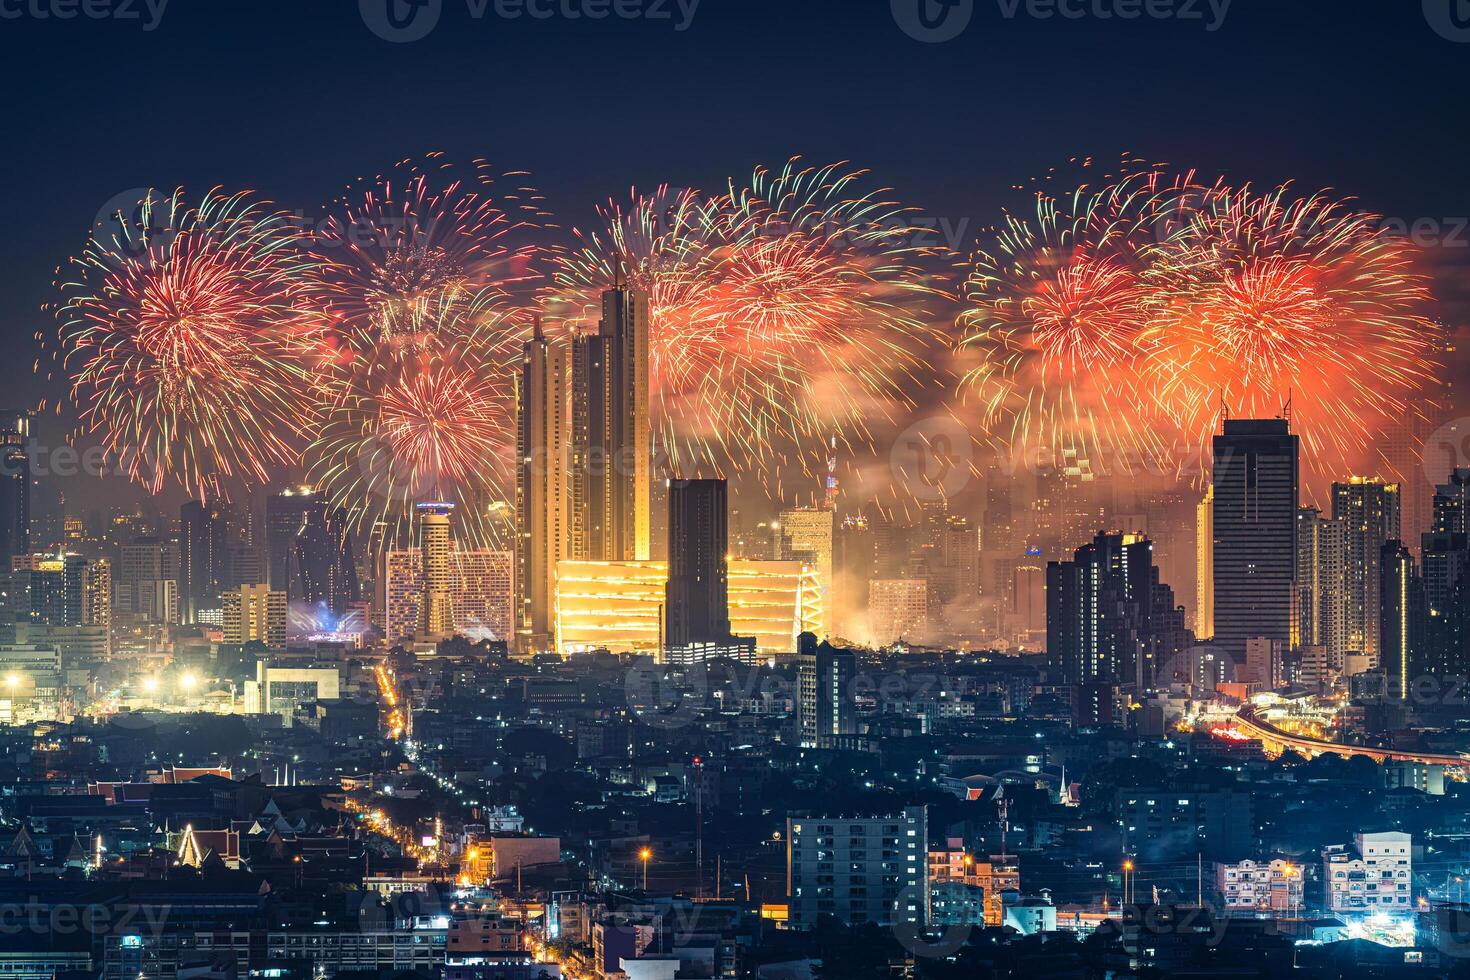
{"points": [[184, 330], [786, 311], [1055, 307], [1265, 299], [403, 423], [401, 252]]}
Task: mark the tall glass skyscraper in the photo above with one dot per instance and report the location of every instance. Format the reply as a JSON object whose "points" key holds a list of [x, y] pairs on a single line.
{"points": [[15, 486], [1257, 482]]}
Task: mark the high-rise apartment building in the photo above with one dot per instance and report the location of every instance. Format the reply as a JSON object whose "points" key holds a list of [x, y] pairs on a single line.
{"points": [[146, 582], [1109, 619], [436, 612], [1322, 583], [612, 457], [203, 556], [898, 609], [1369, 512], [481, 582], [255, 614], [1401, 617], [543, 417], [309, 550], [884, 869], [1256, 480], [826, 695]]}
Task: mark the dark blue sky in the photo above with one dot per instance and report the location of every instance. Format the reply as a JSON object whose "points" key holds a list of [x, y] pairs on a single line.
{"points": [[296, 97]]}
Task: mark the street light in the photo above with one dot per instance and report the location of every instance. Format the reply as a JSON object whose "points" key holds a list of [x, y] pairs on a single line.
{"points": [[188, 681], [1127, 870], [645, 854]]}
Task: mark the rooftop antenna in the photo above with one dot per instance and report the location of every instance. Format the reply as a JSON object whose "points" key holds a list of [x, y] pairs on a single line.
{"points": [[1286, 409], [619, 280]]}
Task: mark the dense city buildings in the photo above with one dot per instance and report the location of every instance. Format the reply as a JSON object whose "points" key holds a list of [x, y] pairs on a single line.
{"points": [[747, 575]]}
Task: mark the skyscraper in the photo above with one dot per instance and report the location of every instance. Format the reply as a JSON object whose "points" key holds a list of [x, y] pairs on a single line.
{"points": [[1256, 479], [1322, 584], [1446, 577], [1204, 557], [1369, 512], [436, 614], [612, 456], [697, 605], [203, 553], [1101, 612], [807, 533], [15, 486], [542, 417], [309, 550], [1401, 617], [827, 701]]}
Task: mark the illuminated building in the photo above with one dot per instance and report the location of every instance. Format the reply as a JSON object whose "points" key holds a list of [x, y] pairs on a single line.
{"points": [[1401, 617], [825, 692], [617, 606], [1263, 663], [1028, 603], [282, 690], [309, 550], [403, 592], [1369, 512], [147, 579], [612, 458], [1109, 619], [1376, 874], [97, 597], [481, 582], [15, 485], [255, 614], [898, 608], [1255, 886], [1204, 557], [1257, 479], [542, 418], [202, 558], [808, 533], [885, 862], [436, 608], [1321, 578]]}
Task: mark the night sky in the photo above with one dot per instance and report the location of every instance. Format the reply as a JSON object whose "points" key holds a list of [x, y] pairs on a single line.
{"points": [[295, 98]]}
